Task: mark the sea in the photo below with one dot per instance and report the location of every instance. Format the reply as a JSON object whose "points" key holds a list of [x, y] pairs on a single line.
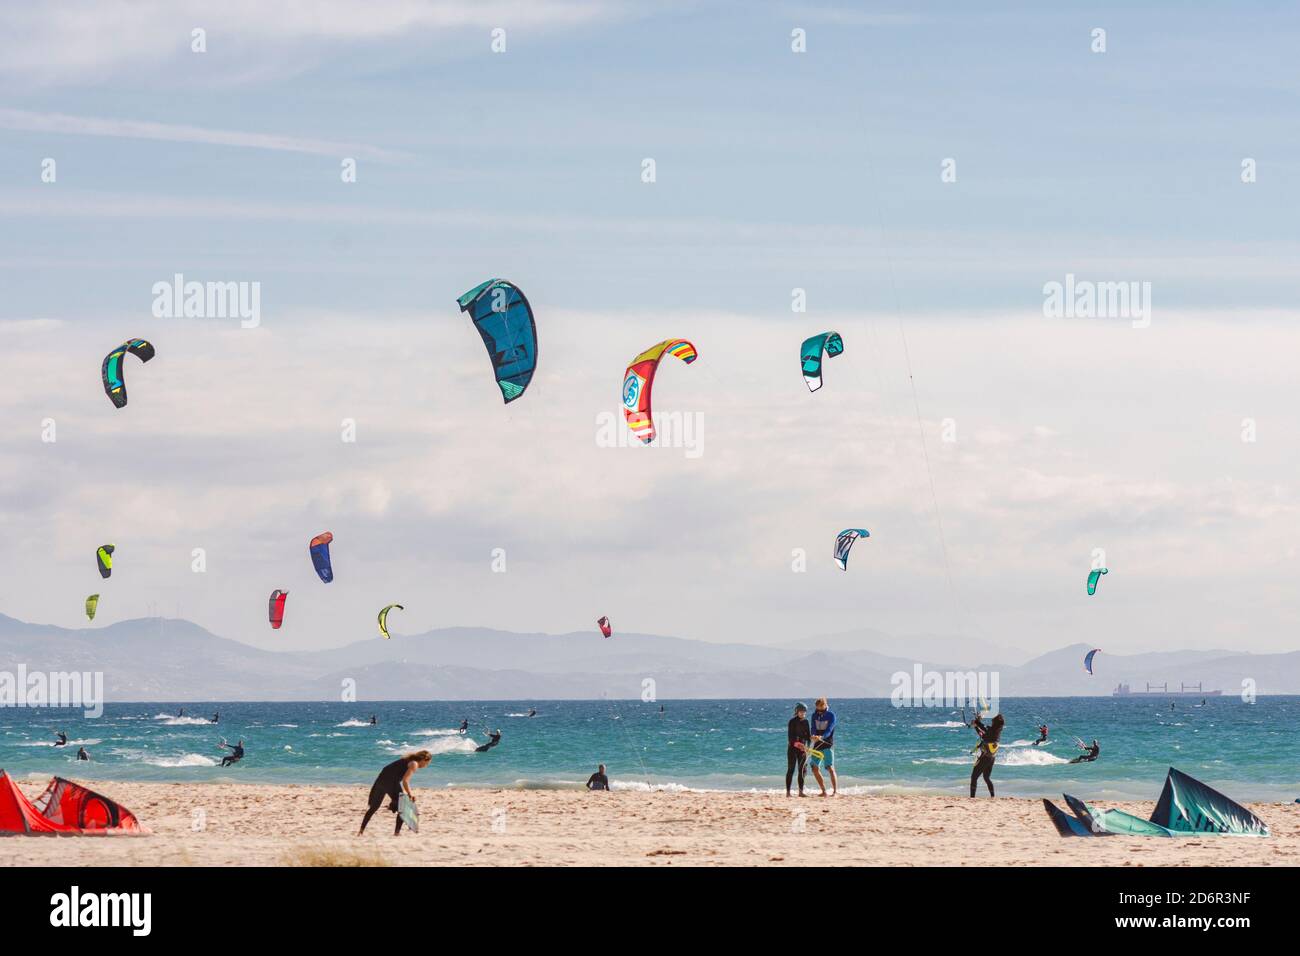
{"points": [[1248, 750]]}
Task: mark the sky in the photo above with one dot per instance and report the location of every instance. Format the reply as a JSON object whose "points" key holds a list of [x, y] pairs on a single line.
{"points": [[913, 176]]}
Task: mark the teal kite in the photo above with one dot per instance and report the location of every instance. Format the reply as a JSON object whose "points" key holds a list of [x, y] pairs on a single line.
{"points": [[810, 356], [505, 321]]}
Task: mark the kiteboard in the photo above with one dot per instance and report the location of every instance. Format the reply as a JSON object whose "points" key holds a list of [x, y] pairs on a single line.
{"points": [[407, 811]]}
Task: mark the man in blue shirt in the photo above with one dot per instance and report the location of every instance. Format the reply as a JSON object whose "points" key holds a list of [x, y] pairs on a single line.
{"points": [[823, 740]]}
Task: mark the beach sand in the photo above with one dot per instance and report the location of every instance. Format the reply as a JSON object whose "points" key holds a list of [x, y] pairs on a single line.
{"points": [[288, 825]]}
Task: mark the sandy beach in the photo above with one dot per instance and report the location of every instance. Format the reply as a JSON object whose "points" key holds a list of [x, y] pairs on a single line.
{"points": [[241, 825]]}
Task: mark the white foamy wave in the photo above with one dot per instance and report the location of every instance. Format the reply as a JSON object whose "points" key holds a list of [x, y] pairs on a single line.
{"points": [[183, 721], [437, 732], [1030, 757], [944, 725], [446, 745], [185, 760], [353, 722], [71, 743]]}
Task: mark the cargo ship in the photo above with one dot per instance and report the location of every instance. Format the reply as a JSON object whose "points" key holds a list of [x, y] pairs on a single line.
{"points": [[1162, 690]]}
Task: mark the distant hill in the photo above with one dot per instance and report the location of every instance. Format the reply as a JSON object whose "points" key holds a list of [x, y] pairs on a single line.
{"points": [[168, 660]]}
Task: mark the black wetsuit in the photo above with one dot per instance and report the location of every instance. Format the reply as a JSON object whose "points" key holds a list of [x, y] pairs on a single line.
{"points": [[796, 730], [598, 781], [1092, 754], [464, 726], [82, 755], [387, 784], [62, 741], [496, 739], [236, 754], [989, 737], [216, 718]]}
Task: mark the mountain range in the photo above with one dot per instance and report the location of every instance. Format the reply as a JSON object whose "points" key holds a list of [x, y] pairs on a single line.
{"points": [[163, 659]]}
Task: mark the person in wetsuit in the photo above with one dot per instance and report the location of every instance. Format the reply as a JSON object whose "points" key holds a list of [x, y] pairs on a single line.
{"points": [[62, 740], [797, 732], [373, 721], [81, 754], [822, 724], [392, 780], [494, 738], [532, 712], [216, 718], [1042, 735], [598, 780], [464, 725], [181, 712], [986, 752], [1089, 753], [236, 752]]}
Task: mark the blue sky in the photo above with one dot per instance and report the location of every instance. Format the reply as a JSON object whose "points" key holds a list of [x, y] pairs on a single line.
{"points": [[775, 171]]}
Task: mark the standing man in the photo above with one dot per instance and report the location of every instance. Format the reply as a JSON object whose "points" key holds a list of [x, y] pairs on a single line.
{"points": [[823, 740], [796, 752]]}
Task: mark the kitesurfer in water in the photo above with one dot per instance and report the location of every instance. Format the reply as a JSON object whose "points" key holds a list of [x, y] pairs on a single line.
{"points": [[986, 752], [81, 754], [180, 713], [392, 780], [598, 780], [798, 734], [236, 752], [1089, 753], [216, 718], [464, 724], [373, 721], [1042, 735], [62, 740], [532, 712], [823, 740], [494, 738]]}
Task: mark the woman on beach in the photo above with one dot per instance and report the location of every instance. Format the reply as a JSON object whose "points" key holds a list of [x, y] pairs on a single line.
{"points": [[987, 751], [392, 780], [798, 736]]}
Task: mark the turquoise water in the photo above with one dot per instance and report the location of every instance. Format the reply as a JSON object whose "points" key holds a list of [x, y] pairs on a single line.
{"points": [[1250, 751]]}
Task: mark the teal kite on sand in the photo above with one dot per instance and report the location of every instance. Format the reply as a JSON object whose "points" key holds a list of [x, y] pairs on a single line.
{"points": [[1186, 807]]}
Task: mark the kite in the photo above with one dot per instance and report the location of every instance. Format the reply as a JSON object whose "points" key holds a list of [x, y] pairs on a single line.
{"points": [[810, 355], [639, 379], [1094, 576], [320, 555], [605, 627], [104, 555], [114, 379], [92, 603], [504, 319], [275, 608], [844, 542], [1087, 661], [383, 620]]}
